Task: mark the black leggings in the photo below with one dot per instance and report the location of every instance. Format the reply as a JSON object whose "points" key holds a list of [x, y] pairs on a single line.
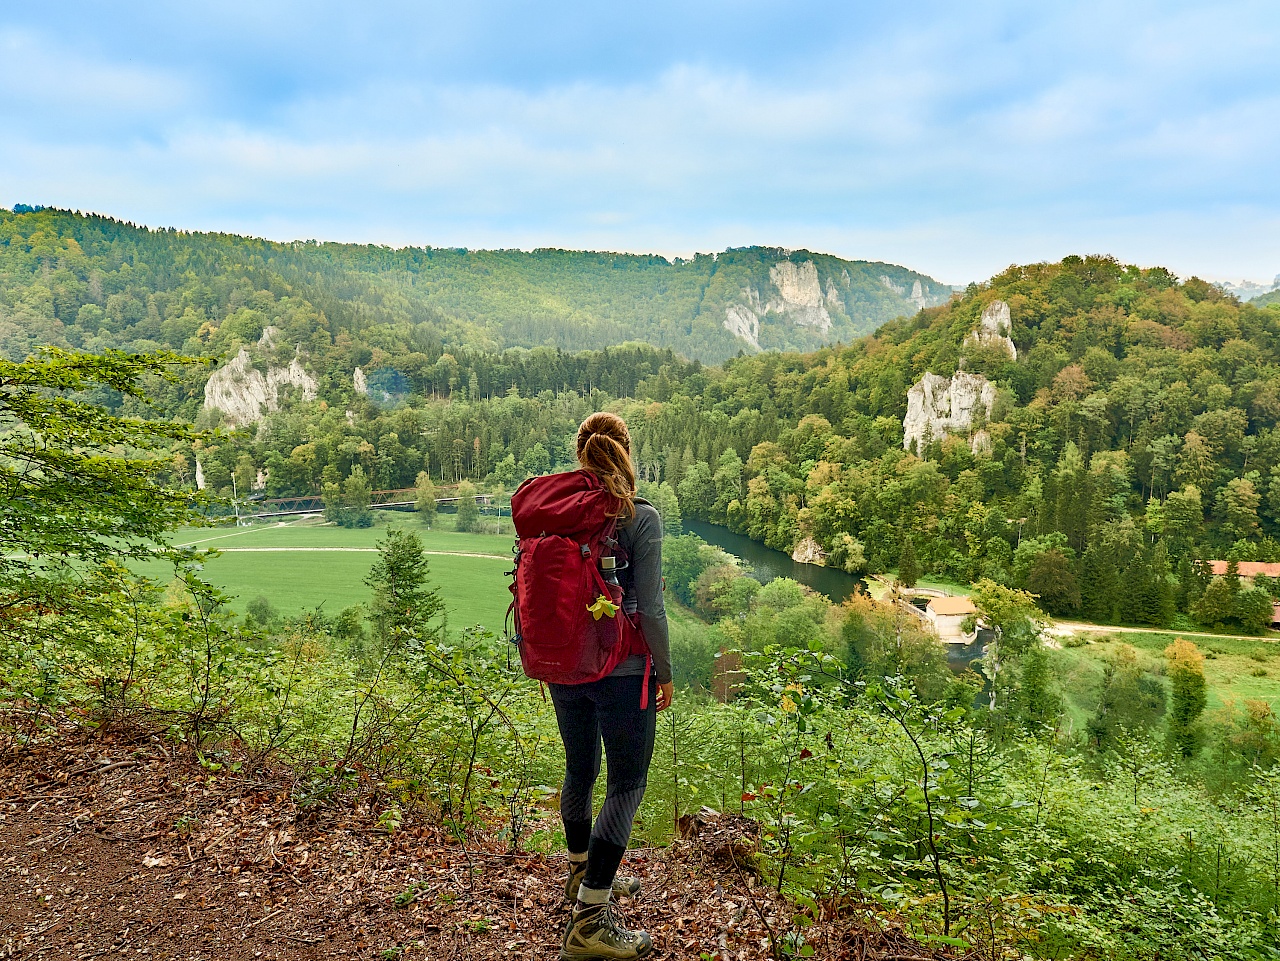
{"points": [[606, 710]]}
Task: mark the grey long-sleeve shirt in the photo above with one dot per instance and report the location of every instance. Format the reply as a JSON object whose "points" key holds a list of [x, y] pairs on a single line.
{"points": [[641, 538]]}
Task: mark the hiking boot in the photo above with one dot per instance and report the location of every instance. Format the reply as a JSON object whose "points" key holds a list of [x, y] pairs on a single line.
{"points": [[594, 934], [622, 887]]}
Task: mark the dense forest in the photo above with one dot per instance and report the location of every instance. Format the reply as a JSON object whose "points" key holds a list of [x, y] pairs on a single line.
{"points": [[1131, 435], [94, 282]]}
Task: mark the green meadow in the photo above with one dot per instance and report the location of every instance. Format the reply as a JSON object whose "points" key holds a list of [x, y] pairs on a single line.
{"points": [[1235, 670], [303, 565]]}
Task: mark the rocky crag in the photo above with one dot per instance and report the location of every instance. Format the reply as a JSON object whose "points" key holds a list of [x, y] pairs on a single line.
{"points": [[245, 394], [815, 297], [994, 327], [959, 405]]}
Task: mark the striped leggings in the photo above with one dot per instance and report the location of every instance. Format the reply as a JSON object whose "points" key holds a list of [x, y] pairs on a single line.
{"points": [[605, 711]]}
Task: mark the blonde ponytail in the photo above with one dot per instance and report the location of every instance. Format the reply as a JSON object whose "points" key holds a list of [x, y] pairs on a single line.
{"points": [[604, 448]]}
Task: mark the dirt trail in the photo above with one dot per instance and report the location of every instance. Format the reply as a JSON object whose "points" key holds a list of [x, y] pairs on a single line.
{"points": [[1065, 628], [126, 846], [349, 550]]}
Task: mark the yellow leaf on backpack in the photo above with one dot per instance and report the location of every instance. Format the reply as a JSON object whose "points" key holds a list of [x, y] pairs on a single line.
{"points": [[603, 607]]}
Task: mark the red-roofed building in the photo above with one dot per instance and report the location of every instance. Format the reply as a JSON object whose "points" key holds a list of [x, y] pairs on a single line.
{"points": [[947, 615], [1248, 569]]}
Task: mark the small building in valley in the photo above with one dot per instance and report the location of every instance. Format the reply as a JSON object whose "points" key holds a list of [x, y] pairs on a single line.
{"points": [[946, 615], [1248, 570]]}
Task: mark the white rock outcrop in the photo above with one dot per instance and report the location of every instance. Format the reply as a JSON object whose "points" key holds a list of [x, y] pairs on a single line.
{"points": [[199, 475], [938, 407], [360, 382], [799, 294], [994, 327], [833, 295], [798, 297], [917, 295], [809, 551], [245, 395], [743, 321]]}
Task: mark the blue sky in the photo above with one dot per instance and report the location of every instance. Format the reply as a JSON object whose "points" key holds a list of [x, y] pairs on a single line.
{"points": [[955, 138]]}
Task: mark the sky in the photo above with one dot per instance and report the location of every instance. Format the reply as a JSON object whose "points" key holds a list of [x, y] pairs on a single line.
{"points": [[953, 138]]}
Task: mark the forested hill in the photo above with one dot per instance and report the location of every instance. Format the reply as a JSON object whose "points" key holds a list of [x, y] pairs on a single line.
{"points": [[93, 282]]}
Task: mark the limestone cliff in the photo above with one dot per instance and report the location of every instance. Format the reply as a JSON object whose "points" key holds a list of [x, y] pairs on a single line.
{"points": [[938, 407], [993, 329], [941, 406], [799, 294], [917, 295], [743, 320], [360, 382], [245, 394], [794, 299], [809, 551], [797, 297]]}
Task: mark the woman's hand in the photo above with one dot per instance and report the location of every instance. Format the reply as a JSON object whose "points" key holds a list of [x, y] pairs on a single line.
{"points": [[665, 693]]}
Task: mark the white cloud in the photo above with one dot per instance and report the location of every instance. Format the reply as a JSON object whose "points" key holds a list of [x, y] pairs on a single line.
{"points": [[957, 145], [42, 76]]}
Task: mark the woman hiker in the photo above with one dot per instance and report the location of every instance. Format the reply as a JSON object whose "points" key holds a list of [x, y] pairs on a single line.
{"points": [[610, 710]]}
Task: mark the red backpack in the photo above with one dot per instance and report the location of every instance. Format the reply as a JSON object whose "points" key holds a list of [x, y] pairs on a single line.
{"points": [[564, 633]]}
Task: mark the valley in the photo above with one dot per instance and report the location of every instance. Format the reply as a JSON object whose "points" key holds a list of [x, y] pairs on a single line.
{"points": [[1084, 441]]}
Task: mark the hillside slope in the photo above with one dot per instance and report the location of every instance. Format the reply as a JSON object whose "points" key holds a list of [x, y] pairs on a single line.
{"points": [[157, 856], [91, 281]]}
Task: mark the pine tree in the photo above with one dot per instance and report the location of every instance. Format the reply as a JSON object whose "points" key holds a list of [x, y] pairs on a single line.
{"points": [[1039, 706], [1186, 696], [1097, 585], [1232, 576], [1188, 591], [1136, 602], [405, 607], [908, 566], [1163, 602]]}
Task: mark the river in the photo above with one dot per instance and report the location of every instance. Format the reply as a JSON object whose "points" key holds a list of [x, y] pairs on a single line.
{"points": [[766, 563]]}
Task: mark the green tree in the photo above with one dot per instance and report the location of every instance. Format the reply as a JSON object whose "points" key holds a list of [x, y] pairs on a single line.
{"points": [[468, 516], [1160, 603], [683, 561], [697, 491], [536, 460], [261, 612], [79, 484], [1254, 610], [1196, 465], [1099, 583], [728, 481], [1130, 700], [1183, 520], [406, 609], [357, 494], [246, 475], [1217, 604], [908, 566], [1013, 614], [424, 498], [1187, 696], [1237, 505], [1051, 578], [1039, 705], [663, 498]]}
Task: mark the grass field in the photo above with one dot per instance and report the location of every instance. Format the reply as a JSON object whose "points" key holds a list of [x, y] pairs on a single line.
{"points": [[302, 565], [1236, 670]]}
